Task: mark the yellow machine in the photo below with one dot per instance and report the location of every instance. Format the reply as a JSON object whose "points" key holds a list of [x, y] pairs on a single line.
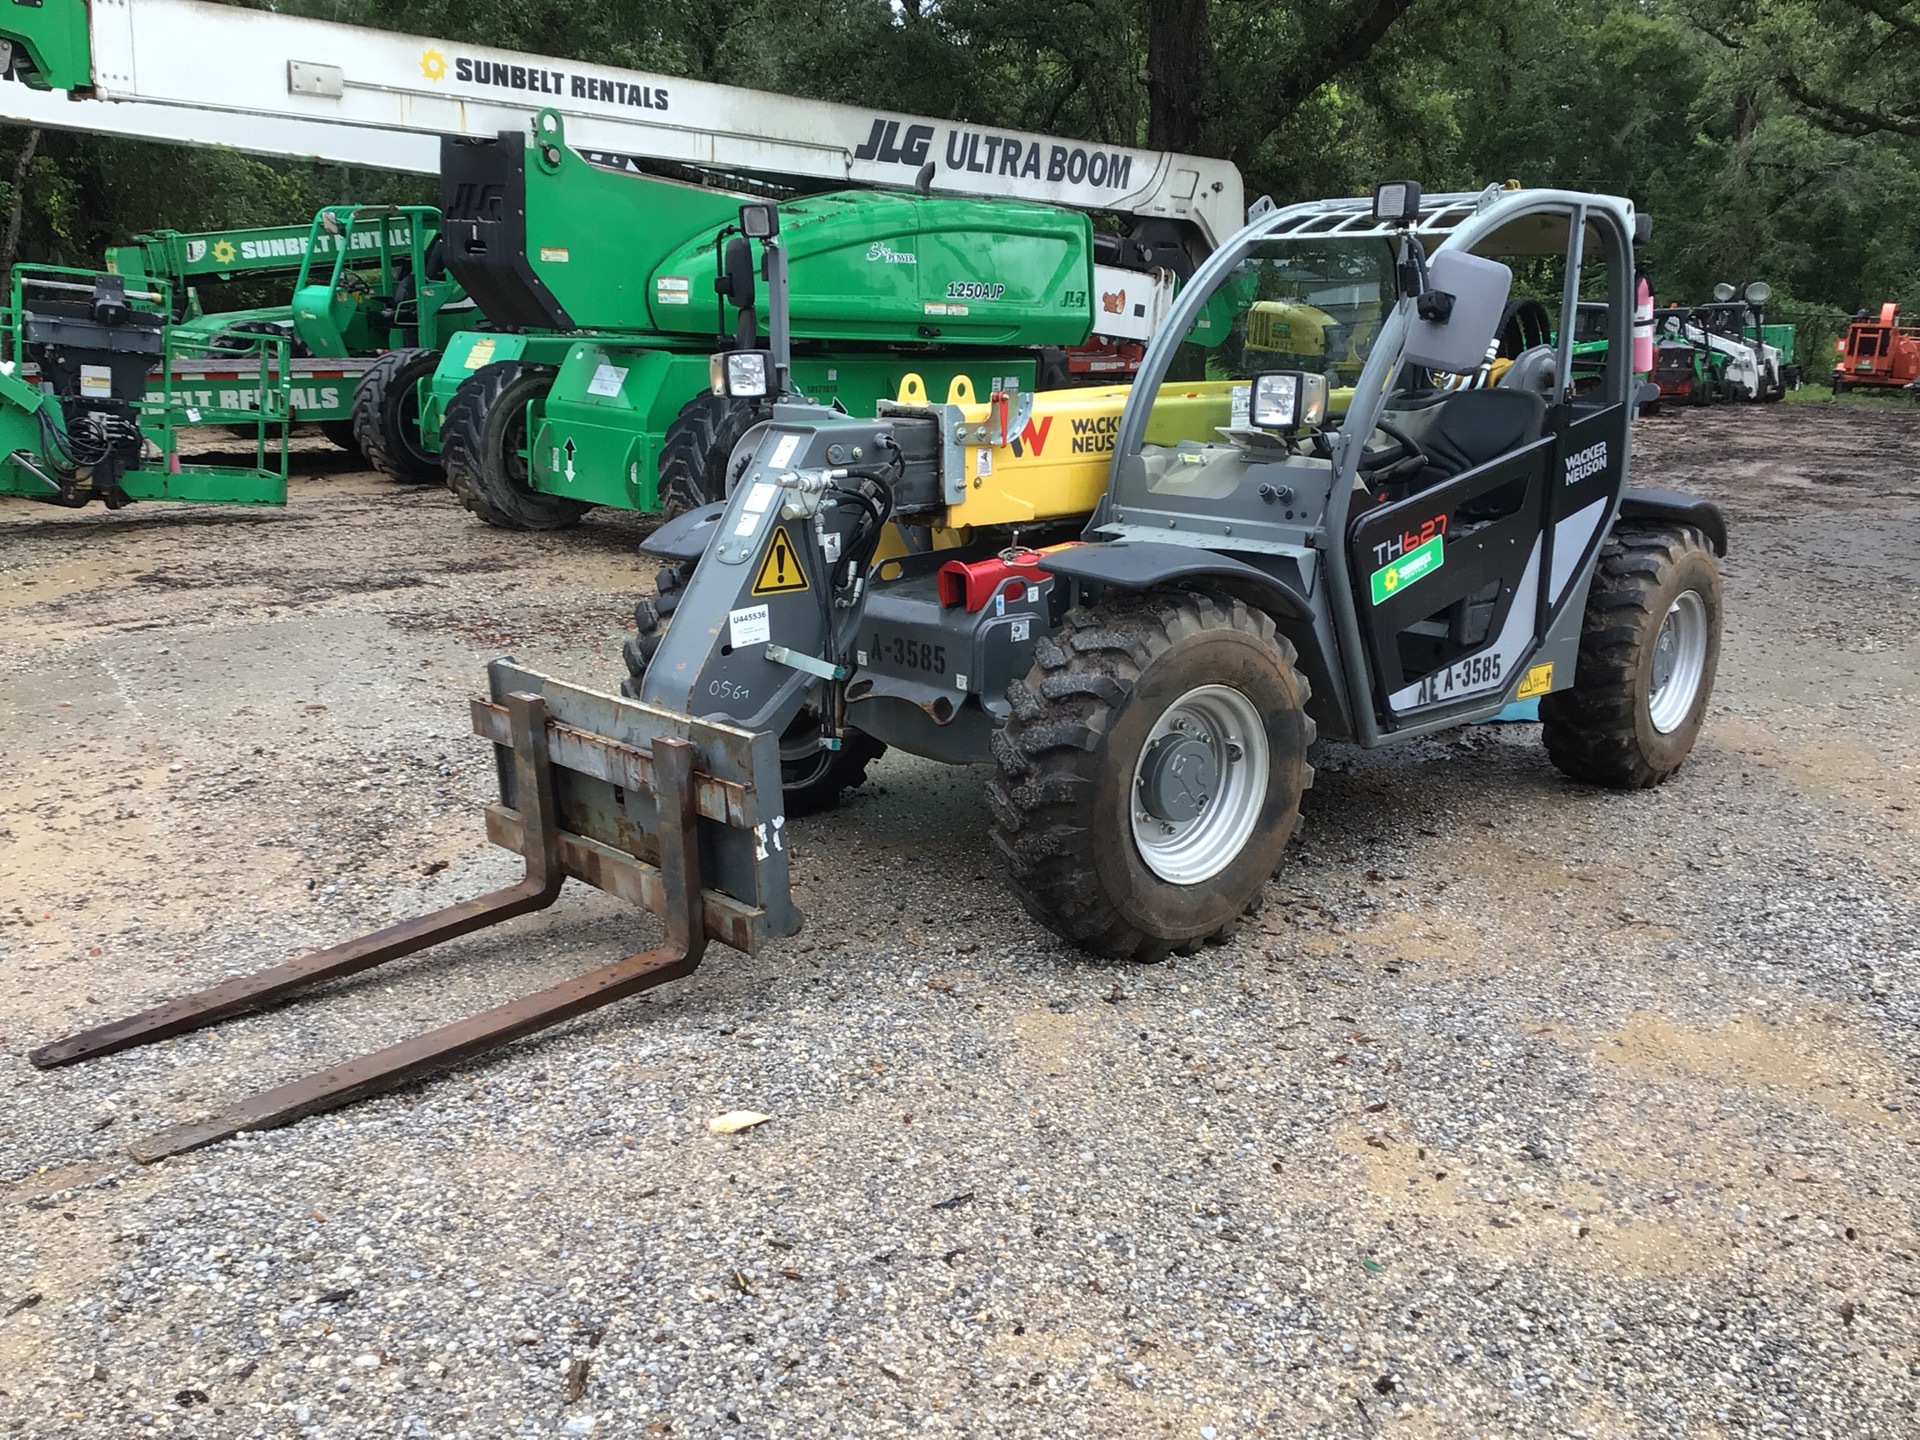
{"points": [[1053, 466], [1291, 334]]}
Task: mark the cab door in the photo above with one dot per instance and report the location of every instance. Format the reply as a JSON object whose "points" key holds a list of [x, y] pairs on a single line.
{"points": [[1447, 584], [1457, 585]]}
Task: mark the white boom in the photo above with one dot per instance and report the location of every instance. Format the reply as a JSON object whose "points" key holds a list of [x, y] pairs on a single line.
{"points": [[257, 134], [380, 93]]}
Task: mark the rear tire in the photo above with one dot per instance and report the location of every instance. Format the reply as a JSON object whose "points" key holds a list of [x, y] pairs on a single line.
{"points": [[386, 417], [340, 433], [1130, 700], [1648, 653], [485, 439], [696, 448]]}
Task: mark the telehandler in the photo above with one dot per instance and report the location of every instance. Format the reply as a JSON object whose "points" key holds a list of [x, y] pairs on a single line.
{"points": [[1141, 607], [1144, 635]]}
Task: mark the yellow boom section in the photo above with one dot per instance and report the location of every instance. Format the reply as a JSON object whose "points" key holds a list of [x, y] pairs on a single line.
{"points": [[1055, 467]]}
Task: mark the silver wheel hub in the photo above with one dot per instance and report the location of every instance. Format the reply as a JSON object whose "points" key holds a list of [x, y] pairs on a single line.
{"points": [[1199, 784], [1679, 662], [1178, 778]]}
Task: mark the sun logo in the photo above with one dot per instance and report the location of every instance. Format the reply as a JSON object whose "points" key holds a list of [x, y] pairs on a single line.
{"points": [[223, 251], [1391, 580], [433, 65]]}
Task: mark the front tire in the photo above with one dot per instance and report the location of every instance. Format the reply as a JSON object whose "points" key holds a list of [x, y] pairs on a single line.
{"points": [[485, 437], [1648, 654], [1151, 772], [651, 615], [812, 778], [386, 417]]}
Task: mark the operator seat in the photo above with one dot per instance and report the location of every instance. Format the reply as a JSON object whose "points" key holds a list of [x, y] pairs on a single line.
{"points": [[1475, 426]]}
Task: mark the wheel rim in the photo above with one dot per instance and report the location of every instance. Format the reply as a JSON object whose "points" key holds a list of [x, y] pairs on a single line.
{"points": [[514, 456], [1199, 784], [409, 428], [1679, 660]]}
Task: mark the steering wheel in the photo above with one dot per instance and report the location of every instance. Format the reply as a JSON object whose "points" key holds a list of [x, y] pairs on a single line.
{"points": [[1405, 448], [353, 284]]}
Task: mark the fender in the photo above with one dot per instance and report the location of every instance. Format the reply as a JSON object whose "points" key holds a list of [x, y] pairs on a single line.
{"points": [[1677, 507], [685, 536], [1146, 565]]}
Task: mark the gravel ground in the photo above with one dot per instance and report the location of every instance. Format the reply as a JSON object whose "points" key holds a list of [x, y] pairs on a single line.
{"points": [[1524, 1110]]}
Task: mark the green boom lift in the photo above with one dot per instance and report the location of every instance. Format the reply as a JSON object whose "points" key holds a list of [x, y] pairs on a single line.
{"points": [[605, 288], [364, 281]]}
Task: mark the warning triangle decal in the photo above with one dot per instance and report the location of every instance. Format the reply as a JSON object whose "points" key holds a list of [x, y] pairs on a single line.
{"points": [[780, 573]]}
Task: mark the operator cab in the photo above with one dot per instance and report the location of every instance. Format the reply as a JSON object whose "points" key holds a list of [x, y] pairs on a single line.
{"points": [[1471, 439]]}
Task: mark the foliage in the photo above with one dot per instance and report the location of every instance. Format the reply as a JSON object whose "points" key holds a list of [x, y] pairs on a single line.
{"points": [[1771, 139]]}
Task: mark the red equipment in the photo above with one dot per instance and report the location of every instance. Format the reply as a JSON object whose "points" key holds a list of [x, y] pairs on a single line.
{"points": [[1879, 355]]}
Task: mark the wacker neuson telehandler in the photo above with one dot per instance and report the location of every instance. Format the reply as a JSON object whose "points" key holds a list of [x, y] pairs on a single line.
{"points": [[1147, 681], [1140, 607]]}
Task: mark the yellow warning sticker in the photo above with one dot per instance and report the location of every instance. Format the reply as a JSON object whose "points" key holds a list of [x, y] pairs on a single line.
{"points": [[480, 354], [1538, 682], [781, 572]]}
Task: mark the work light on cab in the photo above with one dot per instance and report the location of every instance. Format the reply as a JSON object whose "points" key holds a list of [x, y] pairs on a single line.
{"points": [[1397, 202], [759, 222], [740, 374], [1287, 399]]}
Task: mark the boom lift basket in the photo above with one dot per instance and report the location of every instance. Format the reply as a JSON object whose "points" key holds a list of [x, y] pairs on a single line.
{"points": [[680, 816]]}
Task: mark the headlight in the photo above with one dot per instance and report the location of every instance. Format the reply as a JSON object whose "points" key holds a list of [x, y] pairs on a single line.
{"points": [[741, 374]]}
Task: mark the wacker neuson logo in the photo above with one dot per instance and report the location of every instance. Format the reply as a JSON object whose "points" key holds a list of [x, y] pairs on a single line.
{"points": [[1589, 461]]}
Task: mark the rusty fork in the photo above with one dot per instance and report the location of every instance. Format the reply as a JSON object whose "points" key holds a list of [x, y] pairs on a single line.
{"points": [[679, 954]]}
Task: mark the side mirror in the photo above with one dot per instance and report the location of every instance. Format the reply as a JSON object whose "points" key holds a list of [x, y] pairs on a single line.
{"points": [[1642, 228], [1458, 341], [735, 280]]}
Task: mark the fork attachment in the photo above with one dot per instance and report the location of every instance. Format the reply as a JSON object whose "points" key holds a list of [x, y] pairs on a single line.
{"points": [[661, 809]]}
